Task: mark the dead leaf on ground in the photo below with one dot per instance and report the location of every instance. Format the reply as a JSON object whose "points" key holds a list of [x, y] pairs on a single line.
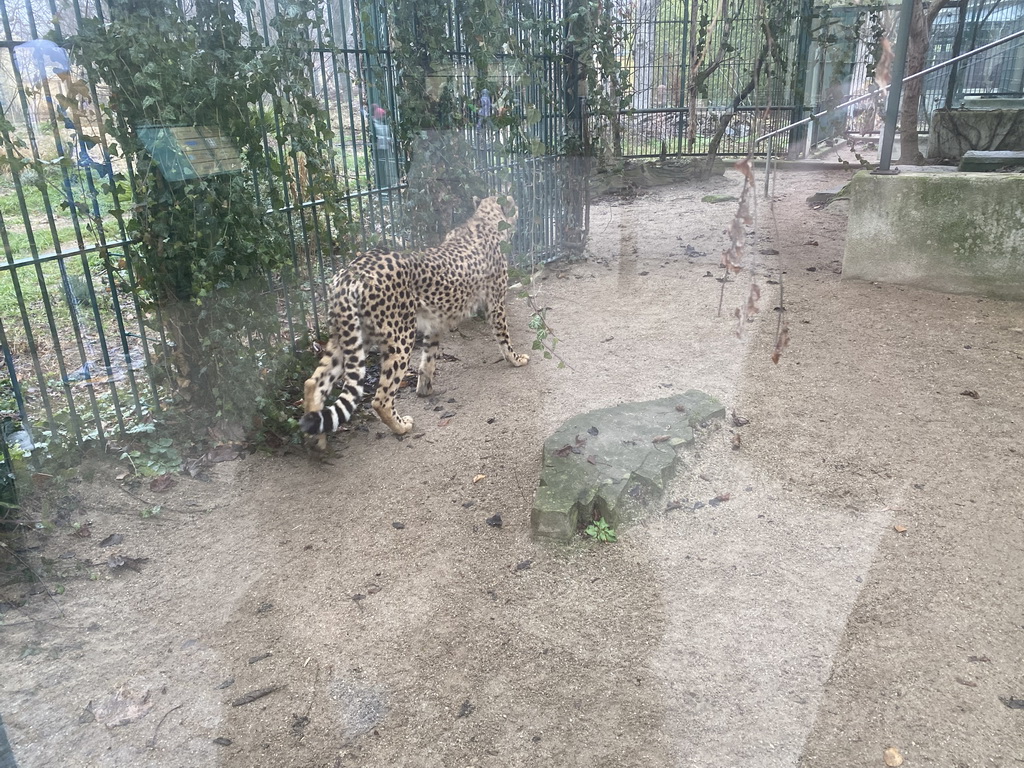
{"points": [[660, 439], [444, 422], [252, 696], [162, 483], [124, 707], [971, 393], [736, 441], [478, 478], [965, 681], [112, 540], [224, 452], [892, 757], [118, 562], [739, 421], [900, 528]]}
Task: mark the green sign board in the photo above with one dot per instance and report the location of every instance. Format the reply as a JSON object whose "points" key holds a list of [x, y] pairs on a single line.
{"points": [[190, 152]]}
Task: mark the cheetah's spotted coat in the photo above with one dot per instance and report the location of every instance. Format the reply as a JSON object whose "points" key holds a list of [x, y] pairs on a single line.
{"points": [[383, 297]]}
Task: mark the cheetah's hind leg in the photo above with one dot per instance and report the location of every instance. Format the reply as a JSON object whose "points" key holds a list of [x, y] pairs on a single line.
{"points": [[428, 364], [393, 365]]}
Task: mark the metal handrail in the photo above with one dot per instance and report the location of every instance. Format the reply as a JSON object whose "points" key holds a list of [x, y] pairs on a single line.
{"points": [[881, 89]]}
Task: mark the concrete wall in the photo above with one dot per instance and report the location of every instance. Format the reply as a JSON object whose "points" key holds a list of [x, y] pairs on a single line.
{"points": [[951, 232], [956, 131]]}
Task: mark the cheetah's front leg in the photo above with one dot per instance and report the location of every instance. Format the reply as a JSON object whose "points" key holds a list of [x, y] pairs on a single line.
{"points": [[496, 316]]}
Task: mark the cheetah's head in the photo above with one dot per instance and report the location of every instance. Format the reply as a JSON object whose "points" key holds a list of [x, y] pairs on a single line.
{"points": [[501, 211]]}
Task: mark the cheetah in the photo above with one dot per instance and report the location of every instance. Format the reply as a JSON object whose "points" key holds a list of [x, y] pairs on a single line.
{"points": [[385, 297]]}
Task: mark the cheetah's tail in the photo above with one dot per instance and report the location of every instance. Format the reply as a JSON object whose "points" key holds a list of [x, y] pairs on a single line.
{"points": [[345, 360], [333, 416]]}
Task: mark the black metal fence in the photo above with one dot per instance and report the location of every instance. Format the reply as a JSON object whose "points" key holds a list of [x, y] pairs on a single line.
{"points": [[85, 357], [662, 43]]}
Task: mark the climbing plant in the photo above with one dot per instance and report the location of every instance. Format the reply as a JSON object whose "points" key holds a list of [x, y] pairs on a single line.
{"points": [[208, 249], [436, 124]]}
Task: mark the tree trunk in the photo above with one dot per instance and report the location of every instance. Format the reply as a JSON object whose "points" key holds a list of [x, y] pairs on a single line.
{"points": [[917, 57]]}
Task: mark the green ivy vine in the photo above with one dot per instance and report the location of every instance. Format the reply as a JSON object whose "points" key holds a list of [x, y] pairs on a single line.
{"points": [[209, 251]]}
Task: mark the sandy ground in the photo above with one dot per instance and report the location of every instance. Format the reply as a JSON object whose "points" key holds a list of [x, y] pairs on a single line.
{"points": [[860, 589]]}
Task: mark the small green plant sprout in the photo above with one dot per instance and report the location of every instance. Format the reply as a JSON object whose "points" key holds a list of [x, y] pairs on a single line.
{"points": [[600, 530], [150, 512], [153, 456], [546, 341]]}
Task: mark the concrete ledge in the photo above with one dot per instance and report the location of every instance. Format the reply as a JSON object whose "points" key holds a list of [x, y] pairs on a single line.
{"points": [[954, 232]]}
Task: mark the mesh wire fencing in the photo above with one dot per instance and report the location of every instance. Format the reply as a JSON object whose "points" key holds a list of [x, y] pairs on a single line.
{"points": [[86, 356]]}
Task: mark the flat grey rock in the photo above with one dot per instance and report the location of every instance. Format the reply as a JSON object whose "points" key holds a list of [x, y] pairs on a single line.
{"points": [[607, 462]]}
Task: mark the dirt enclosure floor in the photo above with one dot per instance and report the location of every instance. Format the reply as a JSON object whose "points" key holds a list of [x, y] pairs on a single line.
{"points": [[856, 587]]}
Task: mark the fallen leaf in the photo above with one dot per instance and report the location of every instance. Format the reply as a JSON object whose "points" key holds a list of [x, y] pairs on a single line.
{"points": [[965, 681], [125, 706], [162, 483], [494, 521], [524, 565], [739, 421], [116, 562], [660, 439], [593, 431], [252, 696], [564, 451], [900, 528], [112, 540], [478, 478], [224, 452], [971, 393], [1012, 702], [592, 459], [443, 422], [892, 757], [736, 440]]}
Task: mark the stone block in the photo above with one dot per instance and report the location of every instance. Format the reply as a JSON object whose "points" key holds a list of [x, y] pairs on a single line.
{"points": [[950, 232]]}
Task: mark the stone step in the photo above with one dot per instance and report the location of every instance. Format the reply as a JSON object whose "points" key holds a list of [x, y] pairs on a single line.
{"points": [[979, 160]]}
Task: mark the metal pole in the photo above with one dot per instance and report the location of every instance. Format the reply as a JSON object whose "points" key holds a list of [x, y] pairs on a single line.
{"points": [[892, 107]]}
